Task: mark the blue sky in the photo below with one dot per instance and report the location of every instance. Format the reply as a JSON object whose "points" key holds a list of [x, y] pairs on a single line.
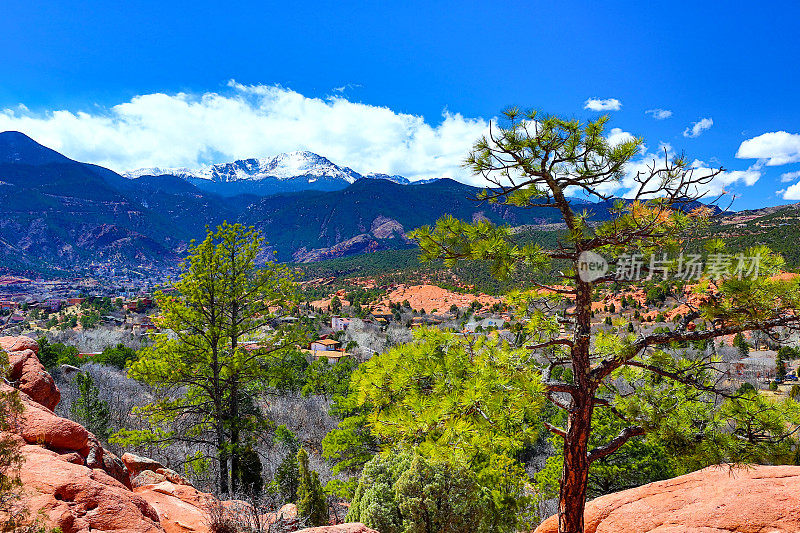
{"points": [[401, 87]]}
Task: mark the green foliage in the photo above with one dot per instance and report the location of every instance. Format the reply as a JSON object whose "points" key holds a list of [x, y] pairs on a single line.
{"points": [[89, 410], [118, 356], [451, 397], [55, 354], [351, 444], [788, 353], [794, 392], [740, 343], [773, 386], [322, 377], [90, 320], [405, 492], [287, 475], [780, 368], [248, 471], [336, 304], [311, 503], [200, 367]]}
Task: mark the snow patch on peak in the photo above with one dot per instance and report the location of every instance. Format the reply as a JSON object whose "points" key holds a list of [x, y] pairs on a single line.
{"points": [[291, 165]]}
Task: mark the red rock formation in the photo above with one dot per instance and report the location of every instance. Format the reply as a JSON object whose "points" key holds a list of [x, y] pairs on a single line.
{"points": [[79, 499], [27, 373], [179, 507], [72, 482], [717, 499]]}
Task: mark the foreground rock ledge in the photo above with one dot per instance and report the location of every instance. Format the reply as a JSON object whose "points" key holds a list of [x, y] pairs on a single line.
{"points": [[718, 499], [70, 481]]}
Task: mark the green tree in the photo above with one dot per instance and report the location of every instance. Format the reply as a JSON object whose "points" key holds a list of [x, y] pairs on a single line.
{"points": [[336, 304], [452, 399], [533, 159], [780, 368], [118, 356], [199, 366], [794, 392], [405, 492], [740, 343], [88, 409], [52, 355], [311, 503]]}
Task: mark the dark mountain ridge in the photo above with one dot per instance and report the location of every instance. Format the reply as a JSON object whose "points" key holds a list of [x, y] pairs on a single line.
{"points": [[71, 216]]}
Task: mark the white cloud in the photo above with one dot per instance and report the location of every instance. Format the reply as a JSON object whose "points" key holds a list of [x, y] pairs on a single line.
{"points": [[777, 147], [659, 114], [188, 130], [792, 192], [698, 128], [618, 136], [786, 177], [596, 104]]}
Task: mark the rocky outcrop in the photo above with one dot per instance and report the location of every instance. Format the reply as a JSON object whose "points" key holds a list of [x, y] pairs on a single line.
{"points": [[179, 507], [69, 479], [754, 499], [27, 373], [73, 483], [79, 499]]}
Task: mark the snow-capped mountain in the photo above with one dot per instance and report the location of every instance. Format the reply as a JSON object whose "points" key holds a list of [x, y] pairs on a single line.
{"points": [[289, 172], [395, 178], [282, 167]]}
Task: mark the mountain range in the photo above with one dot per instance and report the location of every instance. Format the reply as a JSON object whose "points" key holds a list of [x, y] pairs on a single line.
{"points": [[289, 172], [63, 216]]}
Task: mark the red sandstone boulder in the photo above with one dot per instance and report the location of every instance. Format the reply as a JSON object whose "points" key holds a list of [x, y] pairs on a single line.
{"points": [[18, 344], [147, 477], [27, 373], [351, 527], [179, 507], [137, 464], [39, 425], [72, 482], [755, 499], [79, 499]]}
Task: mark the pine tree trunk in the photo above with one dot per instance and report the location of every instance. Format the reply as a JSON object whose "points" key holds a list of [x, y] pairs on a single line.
{"points": [[222, 455], [235, 461], [575, 476]]}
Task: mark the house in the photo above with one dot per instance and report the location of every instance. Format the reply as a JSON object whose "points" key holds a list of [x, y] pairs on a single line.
{"points": [[339, 323], [54, 304], [75, 301], [131, 306], [8, 305], [492, 323], [325, 345], [143, 328]]}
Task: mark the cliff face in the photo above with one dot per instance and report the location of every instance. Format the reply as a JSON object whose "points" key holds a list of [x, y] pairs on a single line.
{"points": [[75, 484]]}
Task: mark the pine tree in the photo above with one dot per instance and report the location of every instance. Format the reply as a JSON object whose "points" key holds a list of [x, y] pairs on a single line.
{"points": [[88, 409], [206, 377], [532, 159], [311, 498]]}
